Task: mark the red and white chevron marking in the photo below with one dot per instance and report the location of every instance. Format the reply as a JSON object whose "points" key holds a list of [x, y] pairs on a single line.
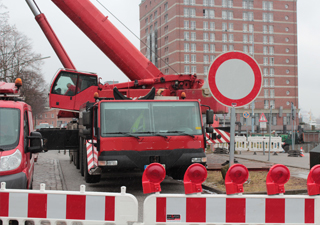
{"points": [[92, 155], [244, 210], [56, 205], [225, 137]]}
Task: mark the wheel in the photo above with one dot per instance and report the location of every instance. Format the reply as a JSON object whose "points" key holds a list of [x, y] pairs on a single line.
{"points": [[83, 151], [87, 177]]}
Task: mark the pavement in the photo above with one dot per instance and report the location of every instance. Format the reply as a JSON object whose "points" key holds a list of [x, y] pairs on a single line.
{"points": [[48, 169]]}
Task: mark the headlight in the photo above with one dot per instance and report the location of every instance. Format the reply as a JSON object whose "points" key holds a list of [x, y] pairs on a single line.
{"points": [[10, 162]]}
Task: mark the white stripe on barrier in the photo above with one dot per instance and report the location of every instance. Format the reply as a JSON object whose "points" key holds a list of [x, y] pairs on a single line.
{"points": [[67, 206], [230, 209]]}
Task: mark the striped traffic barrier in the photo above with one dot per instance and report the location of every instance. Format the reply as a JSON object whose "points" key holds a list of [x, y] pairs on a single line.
{"points": [[92, 155], [235, 209], [67, 206]]}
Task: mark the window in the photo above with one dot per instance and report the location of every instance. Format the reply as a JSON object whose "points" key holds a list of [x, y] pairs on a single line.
{"points": [[245, 27], [272, 104], [166, 6], [212, 57], [205, 13], [266, 104], [212, 26], [193, 47], [45, 115], [270, 17], [231, 47], [224, 48], [224, 37], [265, 61], [193, 25], [245, 16], [224, 26], [192, 2], [265, 39], [231, 38], [206, 59], [271, 40], [250, 4], [193, 69], [245, 38], [186, 2], [266, 93], [155, 15], [205, 70], [187, 69], [52, 115], [186, 59], [146, 21], [205, 2], [251, 50], [205, 47], [147, 30], [230, 26], [186, 12], [211, 3], [264, 5], [251, 38], [150, 18], [265, 71], [211, 14], [186, 24], [224, 15], [192, 12], [270, 6], [224, 3], [271, 71], [271, 93], [244, 4], [205, 36], [265, 50], [186, 36], [265, 17], [230, 3], [193, 36], [271, 50], [230, 15], [271, 29], [251, 17], [212, 37], [265, 29], [212, 48], [205, 25], [186, 47], [271, 61], [245, 48], [251, 28], [193, 58], [271, 82]]}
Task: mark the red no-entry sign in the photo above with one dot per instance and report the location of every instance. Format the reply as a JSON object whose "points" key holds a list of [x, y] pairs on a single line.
{"points": [[235, 79]]}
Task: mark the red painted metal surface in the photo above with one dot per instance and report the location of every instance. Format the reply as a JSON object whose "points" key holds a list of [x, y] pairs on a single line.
{"points": [[108, 38], [54, 41]]}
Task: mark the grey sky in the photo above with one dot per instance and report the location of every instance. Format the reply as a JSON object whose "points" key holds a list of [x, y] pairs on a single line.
{"points": [[87, 57]]}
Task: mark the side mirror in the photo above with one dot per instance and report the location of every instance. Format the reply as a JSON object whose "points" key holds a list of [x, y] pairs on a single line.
{"points": [[36, 142], [86, 119], [209, 116]]}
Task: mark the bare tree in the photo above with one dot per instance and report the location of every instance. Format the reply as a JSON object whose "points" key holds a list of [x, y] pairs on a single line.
{"points": [[18, 60]]}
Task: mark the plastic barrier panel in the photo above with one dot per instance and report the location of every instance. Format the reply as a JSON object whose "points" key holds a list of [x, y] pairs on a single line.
{"points": [[230, 209], [67, 207], [255, 144], [241, 143]]}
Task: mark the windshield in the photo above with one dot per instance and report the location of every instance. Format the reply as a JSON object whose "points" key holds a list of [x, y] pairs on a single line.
{"points": [[150, 118], [9, 128]]}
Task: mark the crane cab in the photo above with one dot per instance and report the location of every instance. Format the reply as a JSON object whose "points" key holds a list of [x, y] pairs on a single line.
{"points": [[70, 89], [18, 142]]}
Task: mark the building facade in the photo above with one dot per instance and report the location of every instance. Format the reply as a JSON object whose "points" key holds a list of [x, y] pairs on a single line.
{"points": [[51, 117], [185, 36]]}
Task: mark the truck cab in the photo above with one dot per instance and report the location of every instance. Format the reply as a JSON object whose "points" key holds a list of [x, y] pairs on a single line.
{"points": [[18, 141]]}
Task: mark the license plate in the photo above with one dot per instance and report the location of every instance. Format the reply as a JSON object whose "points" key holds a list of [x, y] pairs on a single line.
{"points": [[145, 166]]}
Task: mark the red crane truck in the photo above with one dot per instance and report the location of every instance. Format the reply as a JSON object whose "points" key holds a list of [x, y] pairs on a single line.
{"points": [[73, 92], [18, 141]]}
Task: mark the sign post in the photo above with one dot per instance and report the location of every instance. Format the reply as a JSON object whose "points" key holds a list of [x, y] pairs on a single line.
{"points": [[234, 80]]}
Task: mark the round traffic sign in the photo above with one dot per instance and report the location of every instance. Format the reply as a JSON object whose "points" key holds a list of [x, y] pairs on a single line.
{"points": [[235, 79], [246, 114]]}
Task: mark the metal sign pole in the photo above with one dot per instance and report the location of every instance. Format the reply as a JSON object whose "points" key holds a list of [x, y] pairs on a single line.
{"points": [[252, 118], [270, 117], [232, 134]]}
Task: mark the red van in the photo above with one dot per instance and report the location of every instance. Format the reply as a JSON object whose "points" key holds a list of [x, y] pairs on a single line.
{"points": [[18, 141]]}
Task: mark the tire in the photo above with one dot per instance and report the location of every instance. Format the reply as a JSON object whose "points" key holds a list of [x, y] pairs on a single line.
{"points": [[87, 177], [83, 150]]}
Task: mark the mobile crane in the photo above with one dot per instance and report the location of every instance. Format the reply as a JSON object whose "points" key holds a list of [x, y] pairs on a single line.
{"points": [[81, 95]]}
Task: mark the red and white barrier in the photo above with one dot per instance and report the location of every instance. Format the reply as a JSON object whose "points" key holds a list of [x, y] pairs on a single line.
{"points": [[67, 206], [236, 209]]}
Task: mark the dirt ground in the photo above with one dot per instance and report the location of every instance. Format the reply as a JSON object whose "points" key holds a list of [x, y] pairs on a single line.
{"points": [[255, 183]]}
